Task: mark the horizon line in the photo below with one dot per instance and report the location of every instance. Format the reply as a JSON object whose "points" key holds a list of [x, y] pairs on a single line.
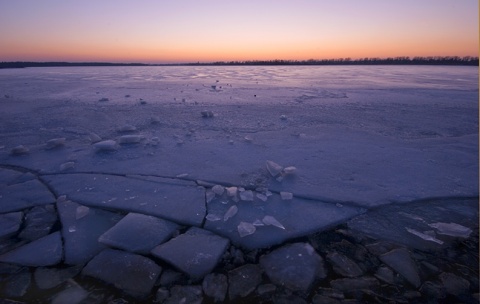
{"points": [[464, 60]]}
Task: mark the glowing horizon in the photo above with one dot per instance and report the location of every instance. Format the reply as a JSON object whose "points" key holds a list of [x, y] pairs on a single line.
{"points": [[150, 31]]}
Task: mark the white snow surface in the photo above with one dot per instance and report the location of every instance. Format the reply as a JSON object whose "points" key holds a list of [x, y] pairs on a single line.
{"points": [[367, 135]]}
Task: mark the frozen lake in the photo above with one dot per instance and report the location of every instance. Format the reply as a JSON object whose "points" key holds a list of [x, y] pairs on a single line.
{"points": [[155, 83], [233, 157]]}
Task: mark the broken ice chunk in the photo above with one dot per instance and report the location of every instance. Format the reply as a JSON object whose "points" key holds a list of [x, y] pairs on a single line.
{"points": [[66, 166], [262, 197], [245, 229], [231, 191], [106, 145], [248, 138], [283, 117], [273, 168], [213, 217], [73, 294], [424, 236], [230, 213], [452, 229], [286, 195], [94, 138], [10, 223], [257, 223], [209, 195], [207, 114], [289, 170], [126, 128], [271, 221], [19, 150], [246, 195], [55, 143], [81, 211], [218, 190], [130, 139]]}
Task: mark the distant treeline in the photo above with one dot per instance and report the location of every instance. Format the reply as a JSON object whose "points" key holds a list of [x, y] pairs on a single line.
{"points": [[450, 60], [437, 60], [28, 64]]}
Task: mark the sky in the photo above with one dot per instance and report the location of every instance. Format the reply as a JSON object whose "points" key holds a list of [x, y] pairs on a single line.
{"points": [[169, 31]]}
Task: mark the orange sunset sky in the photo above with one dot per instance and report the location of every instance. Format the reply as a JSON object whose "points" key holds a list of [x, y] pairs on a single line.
{"points": [[154, 31]]}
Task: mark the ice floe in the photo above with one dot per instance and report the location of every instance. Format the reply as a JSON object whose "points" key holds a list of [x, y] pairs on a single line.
{"points": [[138, 233], [195, 252], [45, 251], [295, 266], [132, 273]]}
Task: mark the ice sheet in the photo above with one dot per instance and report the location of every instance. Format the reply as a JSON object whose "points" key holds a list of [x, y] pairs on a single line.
{"points": [[355, 136]]}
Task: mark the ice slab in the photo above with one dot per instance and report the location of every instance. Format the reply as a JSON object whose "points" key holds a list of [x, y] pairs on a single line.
{"points": [[215, 285], [24, 195], [401, 261], [16, 285], [185, 294], [175, 202], [47, 278], [410, 224], [38, 222], [336, 164], [10, 223], [138, 233], [343, 265], [195, 252], [131, 273], [81, 235], [73, 294], [243, 280], [295, 266], [276, 220], [42, 252], [8, 176]]}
